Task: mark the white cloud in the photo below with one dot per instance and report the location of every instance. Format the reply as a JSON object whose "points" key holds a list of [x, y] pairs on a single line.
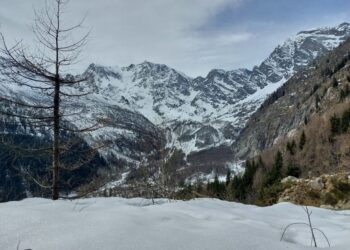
{"points": [[131, 31]]}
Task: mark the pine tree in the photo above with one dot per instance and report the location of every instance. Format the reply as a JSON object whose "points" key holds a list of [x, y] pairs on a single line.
{"points": [[302, 140], [228, 177], [275, 174]]}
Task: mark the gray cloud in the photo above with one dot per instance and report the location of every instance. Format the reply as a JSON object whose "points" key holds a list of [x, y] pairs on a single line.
{"points": [[131, 31], [192, 36]]}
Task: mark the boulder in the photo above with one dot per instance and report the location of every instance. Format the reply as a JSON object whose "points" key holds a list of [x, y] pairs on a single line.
{"points": [[316, 184], [289, 179], [327, 207]]}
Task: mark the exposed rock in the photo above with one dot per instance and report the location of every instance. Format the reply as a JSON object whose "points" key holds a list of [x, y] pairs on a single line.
{"points": [[327, 207], [289, 179], [326, 191], [316, 184]]}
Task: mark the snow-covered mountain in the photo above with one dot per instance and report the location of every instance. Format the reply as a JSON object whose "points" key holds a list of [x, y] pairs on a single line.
{"points": [[207, 111], [152, 105]]}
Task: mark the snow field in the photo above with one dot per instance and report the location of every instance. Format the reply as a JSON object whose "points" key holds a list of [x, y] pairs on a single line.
{"points": [[117, 223]]}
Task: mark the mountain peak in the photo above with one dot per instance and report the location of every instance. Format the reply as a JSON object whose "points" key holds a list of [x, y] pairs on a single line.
{"points": [[103, 71], [152, 64], [335, 30], [343, 26]]}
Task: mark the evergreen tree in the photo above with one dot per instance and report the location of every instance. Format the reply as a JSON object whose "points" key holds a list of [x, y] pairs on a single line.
{"points": [[241, 185], [228, 177], [302, 140], [275, 174]]}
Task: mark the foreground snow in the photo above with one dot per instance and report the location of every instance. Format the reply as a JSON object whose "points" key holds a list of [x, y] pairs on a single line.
{"points": [[116, 223]]}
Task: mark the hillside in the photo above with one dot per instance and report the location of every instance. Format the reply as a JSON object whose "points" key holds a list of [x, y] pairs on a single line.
{"points": [[302, 130], [305, 103]]}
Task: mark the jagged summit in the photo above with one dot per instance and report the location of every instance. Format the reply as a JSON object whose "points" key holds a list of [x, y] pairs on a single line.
{"points": [[336, 30]]}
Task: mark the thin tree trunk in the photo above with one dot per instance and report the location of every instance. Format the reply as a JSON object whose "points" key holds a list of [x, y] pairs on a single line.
{"points": [[56, 153], [56, 119]]}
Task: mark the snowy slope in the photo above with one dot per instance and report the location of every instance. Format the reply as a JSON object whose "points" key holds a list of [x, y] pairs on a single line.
{"points": [[115, 223]]}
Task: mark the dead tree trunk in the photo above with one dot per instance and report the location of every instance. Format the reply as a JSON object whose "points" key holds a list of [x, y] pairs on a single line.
{"points": [[56, 116]]}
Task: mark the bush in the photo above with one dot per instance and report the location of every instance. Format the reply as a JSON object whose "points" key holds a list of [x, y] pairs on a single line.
{"points": [[330, 199], [269, 195]]}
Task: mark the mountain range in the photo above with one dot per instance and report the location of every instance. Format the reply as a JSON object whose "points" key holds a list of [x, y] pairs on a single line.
{"points": [[151, 106]]}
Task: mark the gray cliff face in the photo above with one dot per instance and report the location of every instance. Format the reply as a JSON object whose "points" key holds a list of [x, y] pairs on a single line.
{"points": [[308, 93]]}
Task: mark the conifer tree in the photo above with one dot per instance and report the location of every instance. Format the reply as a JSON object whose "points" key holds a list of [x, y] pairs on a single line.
{"points": [[275, 173], [302, 140], [228, 177]]}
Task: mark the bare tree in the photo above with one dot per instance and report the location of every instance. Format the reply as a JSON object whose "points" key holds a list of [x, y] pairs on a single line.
{"points": [[44, 71]]}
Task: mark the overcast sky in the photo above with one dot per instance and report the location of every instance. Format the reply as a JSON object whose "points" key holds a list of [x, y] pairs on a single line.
{"points": [[193, 36]]}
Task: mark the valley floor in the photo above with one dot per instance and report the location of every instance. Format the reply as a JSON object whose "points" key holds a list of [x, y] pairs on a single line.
{"points": [[116, 223]]}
